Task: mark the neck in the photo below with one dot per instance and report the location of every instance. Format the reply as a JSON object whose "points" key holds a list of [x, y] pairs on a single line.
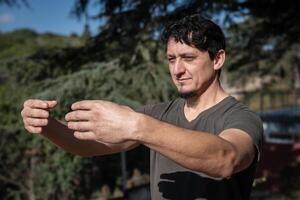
{"points": [[212, 95]]}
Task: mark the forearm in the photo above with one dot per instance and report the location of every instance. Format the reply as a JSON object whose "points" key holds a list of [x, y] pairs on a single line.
{"points": [[195, 150], [59, 134]]}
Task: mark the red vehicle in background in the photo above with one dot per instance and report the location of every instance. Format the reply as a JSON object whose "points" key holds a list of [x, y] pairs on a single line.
{"points": [[281, 146]]}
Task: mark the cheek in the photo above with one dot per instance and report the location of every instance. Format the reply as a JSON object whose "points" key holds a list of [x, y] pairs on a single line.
{"points": [[172, 73], [200, 74], [172, 76]]}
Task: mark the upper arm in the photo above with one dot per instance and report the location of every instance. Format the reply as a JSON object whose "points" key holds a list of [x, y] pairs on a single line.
{"points": [[243, 129], [243, 145]]}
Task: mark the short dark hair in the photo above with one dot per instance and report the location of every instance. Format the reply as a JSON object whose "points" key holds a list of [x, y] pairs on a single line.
{"points": [[195, 30]]}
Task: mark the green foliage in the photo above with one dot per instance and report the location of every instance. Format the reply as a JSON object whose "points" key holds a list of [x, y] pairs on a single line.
{"points": [[25, 42], [260, 55], [263, 36], [124, 63], [68, 75]]}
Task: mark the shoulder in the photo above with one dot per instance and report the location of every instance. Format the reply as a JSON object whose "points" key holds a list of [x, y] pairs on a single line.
{"points": [[237, 111], [239, 116], [157, 110]]}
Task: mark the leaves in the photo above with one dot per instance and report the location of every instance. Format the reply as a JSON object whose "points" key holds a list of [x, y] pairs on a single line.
{"points": [[124, 63], [68, 75]]}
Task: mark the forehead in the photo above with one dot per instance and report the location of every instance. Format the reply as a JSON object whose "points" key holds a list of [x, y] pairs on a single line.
{"points": [[174, 47]]}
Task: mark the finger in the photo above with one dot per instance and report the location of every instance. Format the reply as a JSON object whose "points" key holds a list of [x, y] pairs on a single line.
{"points": [[36, 122], [78, 115], [36, 103], [88, 135], [51, 104], [33, 129], [82, 105], [80, 125], [35, 113]]}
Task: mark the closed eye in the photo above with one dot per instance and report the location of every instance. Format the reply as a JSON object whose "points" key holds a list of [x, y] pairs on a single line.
{"points": [[189, 58], [171, 59]]}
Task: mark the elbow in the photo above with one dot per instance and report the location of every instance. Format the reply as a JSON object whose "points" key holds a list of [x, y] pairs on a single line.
{"points": [[81, 154], [227, 163], [89, 154], [220, 166], [76, 152], [85, 154]]}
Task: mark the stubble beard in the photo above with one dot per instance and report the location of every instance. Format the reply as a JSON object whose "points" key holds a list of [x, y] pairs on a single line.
{"points": [[187, 95]]}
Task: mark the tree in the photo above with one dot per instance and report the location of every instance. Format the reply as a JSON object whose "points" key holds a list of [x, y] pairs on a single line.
{"points": [[125, 62], [262, 34], [50, 74]]}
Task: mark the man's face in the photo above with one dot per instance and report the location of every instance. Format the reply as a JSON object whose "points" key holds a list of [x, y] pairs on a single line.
{"points": [[192, 70]]}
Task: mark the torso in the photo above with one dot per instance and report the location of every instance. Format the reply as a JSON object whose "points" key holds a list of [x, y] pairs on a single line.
{"points": [[172, 181]]}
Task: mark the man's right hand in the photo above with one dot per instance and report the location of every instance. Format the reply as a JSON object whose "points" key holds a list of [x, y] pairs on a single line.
{"points": [[35, 114]]}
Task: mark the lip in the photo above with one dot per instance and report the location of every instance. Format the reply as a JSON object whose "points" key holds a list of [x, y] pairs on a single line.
{"points": [[181, 80]]}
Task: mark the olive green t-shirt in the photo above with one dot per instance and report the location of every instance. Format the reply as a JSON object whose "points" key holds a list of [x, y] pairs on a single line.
{"points": [[169, 180]]}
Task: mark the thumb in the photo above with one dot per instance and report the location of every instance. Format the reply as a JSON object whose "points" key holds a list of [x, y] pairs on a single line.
{"points": [[51, 104]]}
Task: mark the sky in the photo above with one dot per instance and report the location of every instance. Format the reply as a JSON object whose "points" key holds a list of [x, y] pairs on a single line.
{"points": [[44, 16]]}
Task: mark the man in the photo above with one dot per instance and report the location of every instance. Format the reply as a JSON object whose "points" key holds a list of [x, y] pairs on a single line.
{"points": [[204, 145]]}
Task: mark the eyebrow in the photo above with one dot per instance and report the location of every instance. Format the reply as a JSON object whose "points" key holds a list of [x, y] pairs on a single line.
{"points": [[170, 55], [188, 55], [183, 55]]}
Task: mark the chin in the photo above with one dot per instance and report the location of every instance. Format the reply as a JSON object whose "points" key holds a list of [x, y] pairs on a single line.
{"points": [[187, 95]]}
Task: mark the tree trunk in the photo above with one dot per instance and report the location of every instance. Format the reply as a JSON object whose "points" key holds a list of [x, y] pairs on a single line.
{"points": [[31, 193], [297, 82]]}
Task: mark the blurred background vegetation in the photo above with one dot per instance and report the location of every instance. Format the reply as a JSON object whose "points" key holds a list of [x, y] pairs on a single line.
{"points": [[125, 62]]}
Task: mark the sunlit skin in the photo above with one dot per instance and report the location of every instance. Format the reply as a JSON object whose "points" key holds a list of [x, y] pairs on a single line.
{"points": [[191, 69]]}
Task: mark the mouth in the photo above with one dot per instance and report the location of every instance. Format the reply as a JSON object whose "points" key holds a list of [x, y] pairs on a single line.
{"points": [[182, 80]]}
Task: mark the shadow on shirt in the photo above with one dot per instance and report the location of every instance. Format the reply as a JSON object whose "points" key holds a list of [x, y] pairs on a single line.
{"points": [[191, 186]]}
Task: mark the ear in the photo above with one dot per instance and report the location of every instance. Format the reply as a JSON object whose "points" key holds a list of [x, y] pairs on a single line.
{"points": [[219, 60]]}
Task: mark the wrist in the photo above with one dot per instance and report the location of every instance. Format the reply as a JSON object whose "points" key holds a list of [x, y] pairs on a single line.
{"points": [[140, 127]]}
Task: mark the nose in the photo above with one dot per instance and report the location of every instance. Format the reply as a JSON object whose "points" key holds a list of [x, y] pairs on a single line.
{"points": [[178, 68]]}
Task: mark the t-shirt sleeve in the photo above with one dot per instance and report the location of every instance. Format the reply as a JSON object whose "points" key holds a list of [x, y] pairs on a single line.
{"points": [[146, 109], [248, 122], [155, 110]]}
